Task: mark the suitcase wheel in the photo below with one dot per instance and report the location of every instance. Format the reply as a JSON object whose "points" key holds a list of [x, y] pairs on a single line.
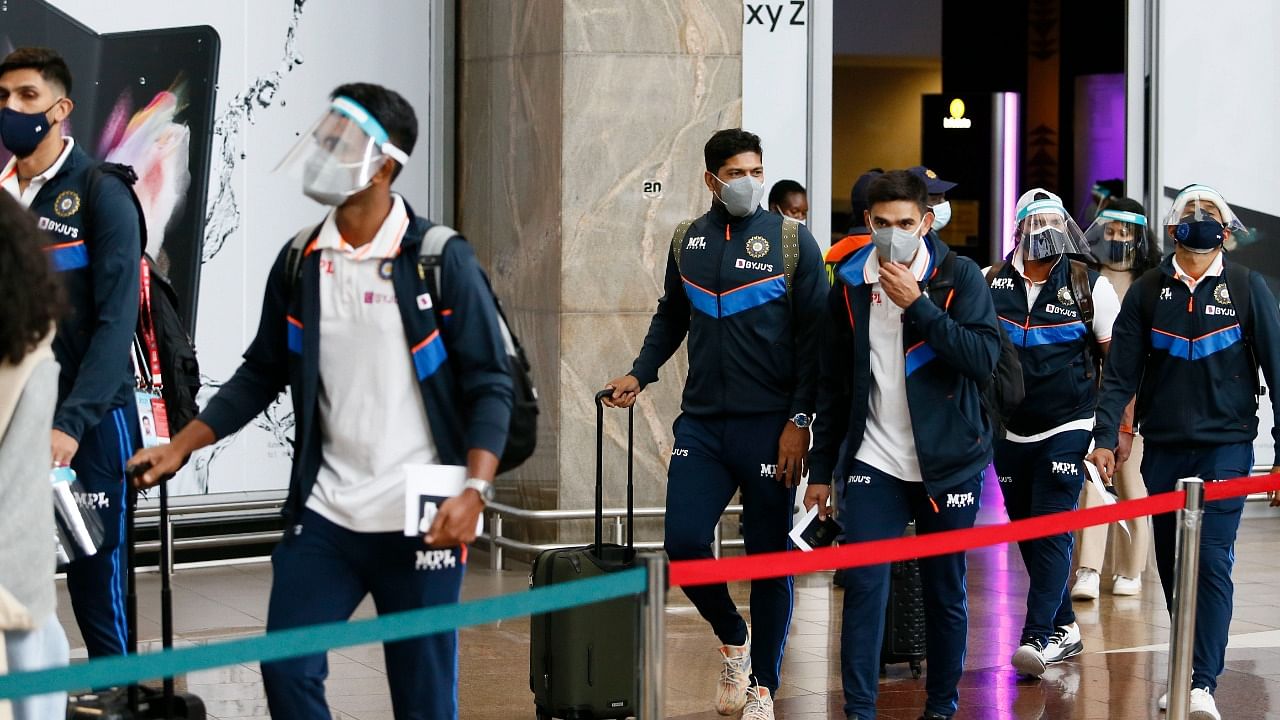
{"points": [[916, 670], [542, 714]]}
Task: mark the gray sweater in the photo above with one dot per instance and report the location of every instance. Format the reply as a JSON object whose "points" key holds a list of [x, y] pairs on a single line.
{"points": [[26, 500]]}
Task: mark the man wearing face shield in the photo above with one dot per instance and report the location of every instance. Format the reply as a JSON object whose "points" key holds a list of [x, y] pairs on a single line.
{"points": [[1190, 338], [751, 314], [95, 245], [385, 373], [1044, 296], [1125, 248], [909, 334]]}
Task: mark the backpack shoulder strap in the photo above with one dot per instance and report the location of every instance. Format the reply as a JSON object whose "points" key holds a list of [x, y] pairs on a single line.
{"points": [[297, 248], [1238, 277], [1082, 291], [677, 240], [790, 251], [126, 175], [994, 270], [431, 256], [944, 277]]}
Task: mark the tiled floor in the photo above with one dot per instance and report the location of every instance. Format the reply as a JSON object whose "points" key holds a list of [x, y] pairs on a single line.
{"points": [[1119, 676]]}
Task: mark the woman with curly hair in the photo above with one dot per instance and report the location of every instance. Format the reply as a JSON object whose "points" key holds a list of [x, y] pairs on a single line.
{"points": [[31, 301]]}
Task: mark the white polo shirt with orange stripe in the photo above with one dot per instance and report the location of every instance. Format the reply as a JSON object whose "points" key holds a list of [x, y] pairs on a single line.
{"points": [[372, 417], [9, 178], [888, 443]]}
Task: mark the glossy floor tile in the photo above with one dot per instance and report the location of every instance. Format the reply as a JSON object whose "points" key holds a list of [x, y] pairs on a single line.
{"points": [[1120, 675]]}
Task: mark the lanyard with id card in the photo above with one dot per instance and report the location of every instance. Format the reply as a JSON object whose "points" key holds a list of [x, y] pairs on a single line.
{"points": [[153, 418]]}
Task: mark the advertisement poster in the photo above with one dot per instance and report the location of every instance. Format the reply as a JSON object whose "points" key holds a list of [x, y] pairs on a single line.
{"points": [[203, 100]]}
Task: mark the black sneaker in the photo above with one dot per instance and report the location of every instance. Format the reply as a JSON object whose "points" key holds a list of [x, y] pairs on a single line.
{"points": [[1028, 659]]}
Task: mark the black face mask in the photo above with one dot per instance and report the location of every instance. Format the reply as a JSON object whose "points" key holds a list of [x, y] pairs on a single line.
{"points": [[1199, 235], [21, 133]]}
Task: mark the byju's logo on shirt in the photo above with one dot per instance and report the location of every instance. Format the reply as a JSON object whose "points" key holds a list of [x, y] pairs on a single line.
{"points": [[435, 560], [742, 264], [373, 298], [1002, 284], [1006, 479], [696, 243], [1065, 468], [960, 500], [45, 223]]}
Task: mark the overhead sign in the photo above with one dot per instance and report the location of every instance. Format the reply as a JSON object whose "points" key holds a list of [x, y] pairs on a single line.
{"points": [[957, 121]]}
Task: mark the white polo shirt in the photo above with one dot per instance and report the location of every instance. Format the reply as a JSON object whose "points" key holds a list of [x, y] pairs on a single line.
{"points": [[9, 178], [888, 444], [1213, 271], [372, 417]]}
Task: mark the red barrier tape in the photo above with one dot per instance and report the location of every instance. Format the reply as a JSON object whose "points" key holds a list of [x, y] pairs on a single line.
{"points": [[780, 564]]}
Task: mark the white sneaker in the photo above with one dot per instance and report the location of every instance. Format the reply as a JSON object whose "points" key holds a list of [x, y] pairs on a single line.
{"points": [[1064, 643], [1028, 659], [1086, 587], [735, 678], [1163, 702], [1126, 586], [760, 704], [1202, 706]]}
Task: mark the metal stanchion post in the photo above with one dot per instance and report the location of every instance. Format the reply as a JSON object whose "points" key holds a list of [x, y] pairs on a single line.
{"points": [[652, 636], [1186, 571]]}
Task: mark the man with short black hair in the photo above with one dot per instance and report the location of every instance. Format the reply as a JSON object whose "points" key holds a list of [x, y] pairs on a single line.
{"points": [[789, 199], [910, 336], [747, 287], [95, 244], [386, 373]]}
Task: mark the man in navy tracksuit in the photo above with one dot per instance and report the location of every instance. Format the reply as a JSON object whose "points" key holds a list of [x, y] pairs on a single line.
{"points": [[1189, 346], [752, 324], [1040, 459], [95, 245], [384, 376], [910, 333]]}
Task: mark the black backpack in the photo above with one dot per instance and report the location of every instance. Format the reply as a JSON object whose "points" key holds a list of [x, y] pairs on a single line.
{"points": [[522, 433], [1004, 391], [179, 367]]}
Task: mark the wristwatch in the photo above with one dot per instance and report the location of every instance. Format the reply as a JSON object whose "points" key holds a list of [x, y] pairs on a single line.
{"points": [[484, 487], [802, 420]]}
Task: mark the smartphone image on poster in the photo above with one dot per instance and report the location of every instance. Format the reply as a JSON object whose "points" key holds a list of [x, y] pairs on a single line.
{"points": [[146, 99]]}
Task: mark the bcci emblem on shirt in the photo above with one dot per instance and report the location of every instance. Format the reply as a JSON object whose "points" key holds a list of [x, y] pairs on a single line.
{"points": [[1221, 295], [66, 204], [757, 247]]}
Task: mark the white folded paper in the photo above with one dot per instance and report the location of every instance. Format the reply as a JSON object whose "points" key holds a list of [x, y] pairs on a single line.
{"points": [[803, 524], [425, 488], [1107, 498]]}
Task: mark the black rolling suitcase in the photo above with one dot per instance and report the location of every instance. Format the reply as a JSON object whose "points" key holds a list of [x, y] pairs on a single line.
{"points": [[582, 661], [904, 619], [139, 702]]}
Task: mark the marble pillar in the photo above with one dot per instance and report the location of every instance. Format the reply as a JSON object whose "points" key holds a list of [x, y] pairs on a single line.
{"points": [[567, 109]]}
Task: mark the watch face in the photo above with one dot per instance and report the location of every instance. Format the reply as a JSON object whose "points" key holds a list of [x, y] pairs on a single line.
{"points": [[801, 420]]}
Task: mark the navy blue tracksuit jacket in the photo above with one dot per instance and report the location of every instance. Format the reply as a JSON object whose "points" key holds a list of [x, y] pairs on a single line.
{"points": [[748, 351], [949, 353], [461, 367]]}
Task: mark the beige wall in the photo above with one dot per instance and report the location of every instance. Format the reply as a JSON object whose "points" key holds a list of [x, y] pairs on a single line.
{"points": [[566, 108], [876, 117]]}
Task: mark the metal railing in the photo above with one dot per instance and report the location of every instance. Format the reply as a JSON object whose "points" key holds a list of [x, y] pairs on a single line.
{"points": [[240, 510], [499, 543]]}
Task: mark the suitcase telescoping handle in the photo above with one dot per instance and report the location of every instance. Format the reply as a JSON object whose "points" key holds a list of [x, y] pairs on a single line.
{"points": [[631, 453]]}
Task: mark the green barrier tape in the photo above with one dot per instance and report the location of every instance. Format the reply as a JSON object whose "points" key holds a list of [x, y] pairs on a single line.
{"points": [[105, 672]]}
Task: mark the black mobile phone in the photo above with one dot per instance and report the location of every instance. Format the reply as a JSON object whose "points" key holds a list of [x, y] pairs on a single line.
{"points": [[122, 85]]}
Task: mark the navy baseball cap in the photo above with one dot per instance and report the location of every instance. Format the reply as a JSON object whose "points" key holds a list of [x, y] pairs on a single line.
{"points": [[936, 185]]}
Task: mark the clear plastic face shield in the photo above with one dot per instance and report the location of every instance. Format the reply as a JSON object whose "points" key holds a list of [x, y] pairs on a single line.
{"points": [[1045, 230], [1201, 220], [1118, 239], [341, 153]]}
